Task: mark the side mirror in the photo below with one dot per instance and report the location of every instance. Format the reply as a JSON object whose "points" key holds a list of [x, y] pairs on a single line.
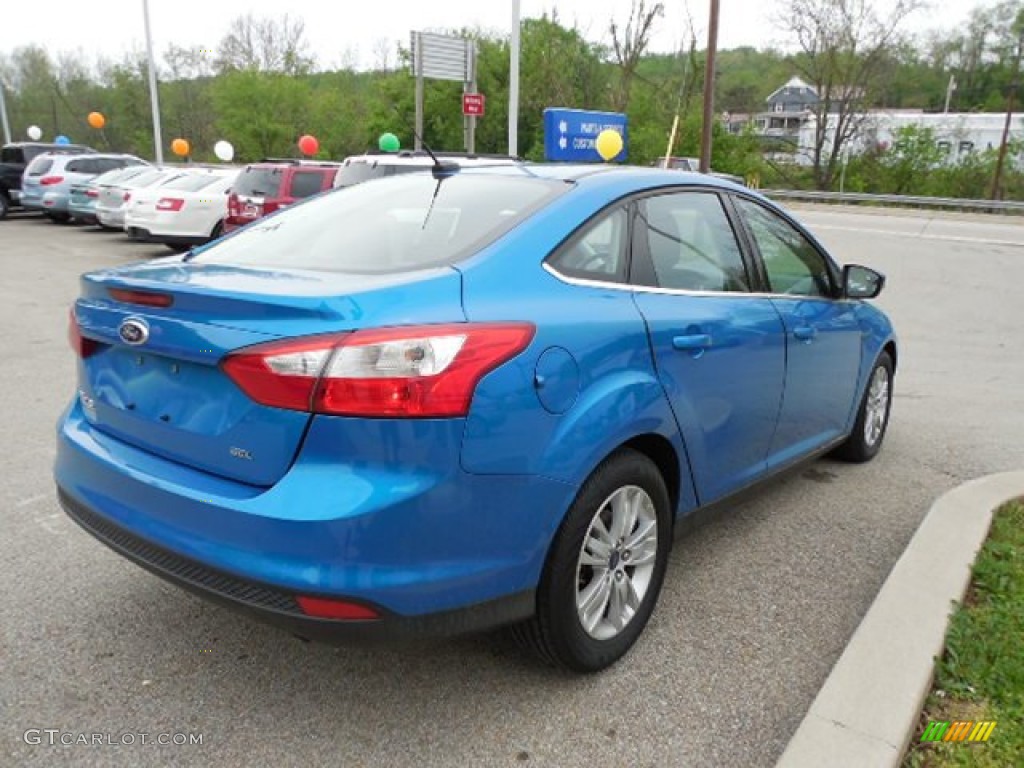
{"points": [[861, 283]]}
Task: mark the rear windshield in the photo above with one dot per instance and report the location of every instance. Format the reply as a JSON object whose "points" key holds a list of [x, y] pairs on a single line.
{"points": [[145, 179], [120, 175], [259, 182], [39, 166], [400, 224], [193, 182], [357, 173]]}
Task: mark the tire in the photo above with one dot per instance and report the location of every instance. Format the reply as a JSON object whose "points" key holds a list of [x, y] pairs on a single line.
{"points": [[557, 633], [5, 205], [218, 230], [873, 415], [59, 218]]}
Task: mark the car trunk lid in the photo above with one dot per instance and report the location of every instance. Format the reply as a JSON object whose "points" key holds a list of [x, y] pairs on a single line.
{"points": [[153, 377]]}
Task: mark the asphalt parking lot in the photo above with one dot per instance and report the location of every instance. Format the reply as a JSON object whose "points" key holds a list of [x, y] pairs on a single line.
{"points": [[757, 605]]}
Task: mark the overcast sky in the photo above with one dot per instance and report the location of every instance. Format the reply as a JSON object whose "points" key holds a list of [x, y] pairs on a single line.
{"points": [[343, 30]]}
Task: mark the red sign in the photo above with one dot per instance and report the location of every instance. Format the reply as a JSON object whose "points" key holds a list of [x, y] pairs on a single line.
{"points": [[473, 104]]}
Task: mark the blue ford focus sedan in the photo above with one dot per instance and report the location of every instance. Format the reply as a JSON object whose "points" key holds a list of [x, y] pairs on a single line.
{"points": [[447, 401]]}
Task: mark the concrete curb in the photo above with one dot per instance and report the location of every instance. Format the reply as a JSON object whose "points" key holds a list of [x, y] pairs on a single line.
{"points": [[865, 713]]}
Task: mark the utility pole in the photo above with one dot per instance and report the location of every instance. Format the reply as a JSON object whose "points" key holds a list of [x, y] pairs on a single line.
{"points": [[709, 90], [997, 178]]}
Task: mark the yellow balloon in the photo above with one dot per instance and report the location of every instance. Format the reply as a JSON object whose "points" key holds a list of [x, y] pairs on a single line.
{"points": [[180, 147], [608, 144]]}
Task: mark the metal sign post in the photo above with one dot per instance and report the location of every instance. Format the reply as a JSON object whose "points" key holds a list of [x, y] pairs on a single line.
{"points": [[469, 86], [441, 57]]}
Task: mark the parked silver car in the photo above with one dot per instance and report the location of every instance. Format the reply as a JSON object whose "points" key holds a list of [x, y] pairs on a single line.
{"points": [[47, 181], [110, 205]]}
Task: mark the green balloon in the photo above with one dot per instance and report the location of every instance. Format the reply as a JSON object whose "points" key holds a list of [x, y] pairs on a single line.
{"points": [[388, 142]]}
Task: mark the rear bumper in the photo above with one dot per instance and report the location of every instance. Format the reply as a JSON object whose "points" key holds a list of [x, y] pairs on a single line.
{"points": [[279, 607], [144, 235], [55, 202], [110, 218], [432, 548], [82, 212]]}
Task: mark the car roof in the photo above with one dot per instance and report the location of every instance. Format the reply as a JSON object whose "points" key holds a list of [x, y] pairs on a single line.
{"points": [[55, 147], [284, 162]]}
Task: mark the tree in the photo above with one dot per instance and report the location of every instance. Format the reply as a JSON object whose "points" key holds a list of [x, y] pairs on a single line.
{"points": [[844, 46], [266, 45], [629, 45]]}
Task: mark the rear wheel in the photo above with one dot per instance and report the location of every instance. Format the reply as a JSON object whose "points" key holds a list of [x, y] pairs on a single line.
{"points": [[59, 218], [5, 205], [873, 416], [218, 230], [605, 568]]}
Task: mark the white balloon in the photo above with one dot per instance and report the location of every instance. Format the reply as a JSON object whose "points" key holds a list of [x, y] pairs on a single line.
{"points": [[35, 132], [224, 151]]}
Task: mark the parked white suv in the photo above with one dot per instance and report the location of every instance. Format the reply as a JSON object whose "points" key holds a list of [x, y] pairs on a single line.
{"points": [[373, 165]]}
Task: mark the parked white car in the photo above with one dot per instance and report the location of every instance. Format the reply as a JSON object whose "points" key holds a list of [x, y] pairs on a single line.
{"points": [[110, 205], [183, 212]]}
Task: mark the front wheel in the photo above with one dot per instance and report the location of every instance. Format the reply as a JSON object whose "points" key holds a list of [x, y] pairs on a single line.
{"points": [[873, 416], [605, 568]]}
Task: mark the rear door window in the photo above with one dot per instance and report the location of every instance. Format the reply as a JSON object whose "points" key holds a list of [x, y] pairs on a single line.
{"points": [[83, 165], [306, 183], [259, 182], [690, 244]]}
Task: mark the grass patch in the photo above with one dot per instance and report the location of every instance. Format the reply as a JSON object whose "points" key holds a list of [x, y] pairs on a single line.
{"points": [[981, 674]]}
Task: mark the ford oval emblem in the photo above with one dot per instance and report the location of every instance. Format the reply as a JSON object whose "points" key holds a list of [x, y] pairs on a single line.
{"points": [[134, 331]]}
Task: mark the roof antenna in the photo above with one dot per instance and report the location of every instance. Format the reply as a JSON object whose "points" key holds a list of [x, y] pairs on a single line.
{"points": [[439, 167]]}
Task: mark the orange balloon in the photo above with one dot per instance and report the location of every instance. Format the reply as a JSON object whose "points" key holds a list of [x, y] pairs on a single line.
{"points": [[97, 120], [180, 147]]}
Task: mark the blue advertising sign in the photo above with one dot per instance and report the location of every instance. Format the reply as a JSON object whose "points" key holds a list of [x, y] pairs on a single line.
{"points": [[569, 134]]}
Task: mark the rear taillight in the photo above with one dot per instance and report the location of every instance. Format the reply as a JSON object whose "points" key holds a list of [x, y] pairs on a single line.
{"points": [[46, 181], [82, 346], [169, 204], [127, 196], [91, 193], [232, 205], [412, 372]]}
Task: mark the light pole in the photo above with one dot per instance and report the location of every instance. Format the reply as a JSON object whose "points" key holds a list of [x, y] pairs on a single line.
{"points": [[513, 83], [158, 142], [3, 113]]}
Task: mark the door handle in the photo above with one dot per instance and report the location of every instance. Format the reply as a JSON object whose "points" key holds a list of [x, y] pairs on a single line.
{"points": [[692, 341], [804, 332]]}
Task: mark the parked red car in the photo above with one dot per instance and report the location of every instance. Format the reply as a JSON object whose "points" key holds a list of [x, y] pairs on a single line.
{"points": [[271, 184]]}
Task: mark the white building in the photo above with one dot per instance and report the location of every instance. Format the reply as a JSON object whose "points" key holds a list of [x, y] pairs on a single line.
{"points": [[956, 133]]}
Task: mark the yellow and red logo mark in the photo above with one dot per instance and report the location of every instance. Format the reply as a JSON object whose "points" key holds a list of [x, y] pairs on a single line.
{"points": [[958, 730]]}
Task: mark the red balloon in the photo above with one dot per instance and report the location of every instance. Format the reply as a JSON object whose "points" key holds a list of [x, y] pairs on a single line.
{"points": [[308, 145]]}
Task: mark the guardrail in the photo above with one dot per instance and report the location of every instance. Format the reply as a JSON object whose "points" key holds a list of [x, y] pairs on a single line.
{"points": [[1009, 207]]}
